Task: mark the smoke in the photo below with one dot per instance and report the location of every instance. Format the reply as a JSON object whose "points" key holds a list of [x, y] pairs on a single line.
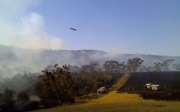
{"points": [[115, 52], [25, 29]]}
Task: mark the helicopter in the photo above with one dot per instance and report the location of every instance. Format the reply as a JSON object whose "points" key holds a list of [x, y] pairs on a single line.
{"points": [[73, 29]]}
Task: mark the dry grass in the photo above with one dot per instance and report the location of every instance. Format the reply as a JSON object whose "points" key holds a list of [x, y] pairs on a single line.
{"points": [[121, 81], [118, 102]]}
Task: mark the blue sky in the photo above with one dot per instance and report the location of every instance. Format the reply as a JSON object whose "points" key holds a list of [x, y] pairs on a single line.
{"points": [[118, 26]]}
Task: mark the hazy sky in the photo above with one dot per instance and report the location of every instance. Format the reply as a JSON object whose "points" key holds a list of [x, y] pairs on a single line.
{"points": [[120, 26]]}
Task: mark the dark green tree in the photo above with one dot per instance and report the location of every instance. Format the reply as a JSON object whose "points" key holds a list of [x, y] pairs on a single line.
{"points": [[86, 68], [111, 66], [163, 66], [133, 64], [59, 81], [1, 96], [97, 85], [157, 66], [22, 100], [95, 66], [22, 96], [87, 90], [8, 99], [122, 67], [167, 64]]}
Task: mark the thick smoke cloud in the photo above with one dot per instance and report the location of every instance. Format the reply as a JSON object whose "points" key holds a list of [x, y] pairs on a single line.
{"points": [[25, 30]]}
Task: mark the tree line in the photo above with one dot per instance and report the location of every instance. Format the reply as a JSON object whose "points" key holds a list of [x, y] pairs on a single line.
{"points": [[131, 65]]}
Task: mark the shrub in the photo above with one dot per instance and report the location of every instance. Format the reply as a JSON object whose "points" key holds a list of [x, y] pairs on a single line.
{"points": [[33, 105]]}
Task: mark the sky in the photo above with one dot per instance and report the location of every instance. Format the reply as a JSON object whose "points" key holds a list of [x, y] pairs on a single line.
{"points": [[116, 26]]}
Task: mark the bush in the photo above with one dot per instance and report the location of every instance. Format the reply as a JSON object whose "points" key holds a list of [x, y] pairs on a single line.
{"points": [[33, 105], [71, 100], [47, 103]]}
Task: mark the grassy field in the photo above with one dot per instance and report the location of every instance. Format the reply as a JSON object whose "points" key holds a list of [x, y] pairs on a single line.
{"points": [[118, 102]]}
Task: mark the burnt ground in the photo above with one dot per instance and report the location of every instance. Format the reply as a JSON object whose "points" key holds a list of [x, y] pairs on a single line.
{"points": [[169, 82]]}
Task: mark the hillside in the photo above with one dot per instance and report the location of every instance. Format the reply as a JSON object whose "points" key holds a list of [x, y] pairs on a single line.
{"points": [[15, 60]]}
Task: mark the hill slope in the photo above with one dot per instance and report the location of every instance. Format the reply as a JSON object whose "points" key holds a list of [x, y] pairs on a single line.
{"points": [[15, 60]]}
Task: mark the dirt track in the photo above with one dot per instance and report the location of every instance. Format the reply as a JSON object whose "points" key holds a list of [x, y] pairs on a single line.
{"points": [[121, 82]]}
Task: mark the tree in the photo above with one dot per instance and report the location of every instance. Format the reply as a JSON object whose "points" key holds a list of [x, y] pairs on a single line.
{"points": [[22, 96], [93, 66], [122, 67], [47, 94], [87, 90], [133, 64], [163, 66], [1, 96], [97, 85], [8, 100], [58, 81], [176, 67], [8, 95], [81, 82], [150, 69], [107, 66], [22, 100], [111, 66], [167, 64], [143, 68], [74, 69], [86, 68], [158, 66]]}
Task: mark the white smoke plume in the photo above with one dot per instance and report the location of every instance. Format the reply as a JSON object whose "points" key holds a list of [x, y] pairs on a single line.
{"points": [[25, 30]]}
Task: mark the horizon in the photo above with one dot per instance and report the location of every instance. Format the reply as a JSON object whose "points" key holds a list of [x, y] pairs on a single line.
{"points": [[123, 27], [41, 49]]}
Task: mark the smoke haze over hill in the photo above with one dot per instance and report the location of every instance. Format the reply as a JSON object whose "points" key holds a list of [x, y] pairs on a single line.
{"points": [[15, 60]]}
